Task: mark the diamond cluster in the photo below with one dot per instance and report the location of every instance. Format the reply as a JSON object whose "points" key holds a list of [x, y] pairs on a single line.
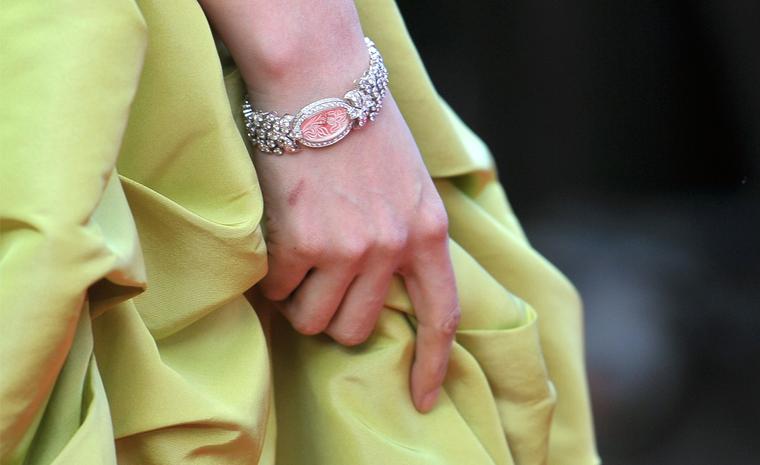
{"points": [[282, 134], [269, 132], [372, 86]]}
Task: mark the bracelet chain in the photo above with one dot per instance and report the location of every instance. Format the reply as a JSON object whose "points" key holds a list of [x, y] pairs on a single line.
{"points": [[325, 121]]}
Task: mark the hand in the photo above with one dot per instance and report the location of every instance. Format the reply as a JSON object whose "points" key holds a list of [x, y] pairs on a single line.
{"points": [[340, 221]]}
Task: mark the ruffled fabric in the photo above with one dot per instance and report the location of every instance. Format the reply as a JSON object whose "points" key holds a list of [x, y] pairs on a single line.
{"points": [[130, 215]]}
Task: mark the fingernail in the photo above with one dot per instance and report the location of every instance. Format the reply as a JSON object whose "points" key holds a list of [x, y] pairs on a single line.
{"points": [[429, 400]]}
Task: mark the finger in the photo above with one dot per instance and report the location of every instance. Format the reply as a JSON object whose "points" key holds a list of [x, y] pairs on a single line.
{"points": [[283, 277], [358, 313], [432, 290], [313, 304]]}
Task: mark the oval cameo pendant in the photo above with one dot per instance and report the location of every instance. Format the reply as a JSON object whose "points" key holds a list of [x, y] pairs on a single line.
{"points": [[323, 122]]}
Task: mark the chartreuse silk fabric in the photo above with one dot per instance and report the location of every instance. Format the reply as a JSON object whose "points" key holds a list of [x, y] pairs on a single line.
{"points": [[131, 217]]}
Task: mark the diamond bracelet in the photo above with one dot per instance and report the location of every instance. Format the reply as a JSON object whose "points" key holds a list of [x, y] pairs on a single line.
{"points": [[325, 121]]}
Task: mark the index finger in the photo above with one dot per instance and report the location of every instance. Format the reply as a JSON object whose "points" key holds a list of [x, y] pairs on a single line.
{"points": [[432, 290]]}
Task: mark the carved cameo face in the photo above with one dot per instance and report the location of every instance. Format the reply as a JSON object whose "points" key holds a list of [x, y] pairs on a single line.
{"points": [[325, 125], [323, 122]]}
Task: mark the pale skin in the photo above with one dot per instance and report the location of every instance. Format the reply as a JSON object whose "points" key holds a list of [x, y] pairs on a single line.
{"points": [[340, 221]]}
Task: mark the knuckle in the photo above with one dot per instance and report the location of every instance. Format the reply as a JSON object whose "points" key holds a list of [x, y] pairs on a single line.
{"points": [[309, 327], [272, 288], [352, 250], [374, 302], [434, 224], [351, 337], [392, 243], [308, 323], [450, 322], [308, 248], [273, 293]]}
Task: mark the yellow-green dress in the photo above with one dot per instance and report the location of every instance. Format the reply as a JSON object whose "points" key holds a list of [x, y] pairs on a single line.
{"points": [[130, 217]]}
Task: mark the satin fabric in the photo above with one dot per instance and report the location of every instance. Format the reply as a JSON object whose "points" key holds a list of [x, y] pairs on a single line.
{"points": [[130, 231]]}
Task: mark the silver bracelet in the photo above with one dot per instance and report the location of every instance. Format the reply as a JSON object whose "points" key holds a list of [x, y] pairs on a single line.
{"points": [[325, 121]]}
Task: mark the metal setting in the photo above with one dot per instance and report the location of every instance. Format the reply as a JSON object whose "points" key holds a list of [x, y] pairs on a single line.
{"points": [[325, 121]]}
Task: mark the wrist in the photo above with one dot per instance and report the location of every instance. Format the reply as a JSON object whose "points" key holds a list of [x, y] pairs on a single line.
{"points": [[286, 80], [289, 51]]}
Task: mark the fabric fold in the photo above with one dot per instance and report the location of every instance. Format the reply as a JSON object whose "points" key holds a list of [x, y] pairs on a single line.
{"points": [[70, 72], [130, 213]]}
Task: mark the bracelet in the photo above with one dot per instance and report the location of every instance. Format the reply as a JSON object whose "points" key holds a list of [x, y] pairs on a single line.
{"points": [[325, 121]]}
